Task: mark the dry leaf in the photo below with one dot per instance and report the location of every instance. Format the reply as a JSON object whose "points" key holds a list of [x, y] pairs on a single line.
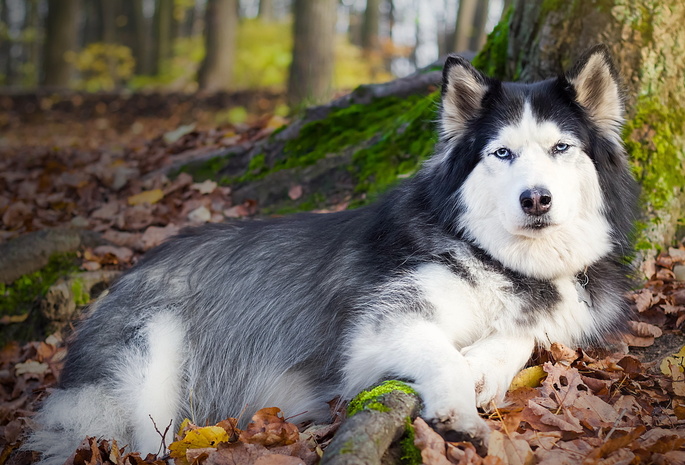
{"points": [[563, 384], [206, 187], [295, 192], [563, 354], [643, 329], [511, 450], [31, 367], [430, 443], [268, 428], [542, 419], [199, 438], [528, 377], [673, 363], [200, 215], [150, 197]]}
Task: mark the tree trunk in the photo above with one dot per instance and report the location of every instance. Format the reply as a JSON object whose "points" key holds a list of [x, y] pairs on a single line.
{"points": [[164, 15], [647, 44], [110, 10], [33, 47], [221, 22], [480, 19], [142, 35], [372, 17], [266, 10], [463, 29], [61, 34], [5, 46], [311, 70], [92, 23]]}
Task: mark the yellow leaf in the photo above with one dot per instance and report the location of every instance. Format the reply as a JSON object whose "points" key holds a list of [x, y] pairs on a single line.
{"points": [[200, 438], [276, 122], [673, 364], [528, 377], [153, 196]]}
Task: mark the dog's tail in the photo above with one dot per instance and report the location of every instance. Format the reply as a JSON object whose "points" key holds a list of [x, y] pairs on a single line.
{"points": [[68, 416]]}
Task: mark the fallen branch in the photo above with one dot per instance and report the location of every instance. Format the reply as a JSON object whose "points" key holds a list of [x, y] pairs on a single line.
{"points": [[377, 419], [32, 251]]}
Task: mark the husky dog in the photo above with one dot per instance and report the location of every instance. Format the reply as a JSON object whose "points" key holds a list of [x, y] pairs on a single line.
{"points": [[513, 234]]}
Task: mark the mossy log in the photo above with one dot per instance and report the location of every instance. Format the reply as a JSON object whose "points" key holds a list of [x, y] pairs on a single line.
{"points": [[377, 419], [350, 149], [32, 251]]}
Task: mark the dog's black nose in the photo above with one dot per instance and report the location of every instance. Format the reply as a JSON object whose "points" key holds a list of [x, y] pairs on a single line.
{"points": [[536, 201]]}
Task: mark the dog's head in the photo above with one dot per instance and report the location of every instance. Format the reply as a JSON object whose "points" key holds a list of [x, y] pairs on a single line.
{"points": [[535, 173]]}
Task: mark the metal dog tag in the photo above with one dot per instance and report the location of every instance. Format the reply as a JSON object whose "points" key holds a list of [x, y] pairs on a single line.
{"points": [[583, 294]]}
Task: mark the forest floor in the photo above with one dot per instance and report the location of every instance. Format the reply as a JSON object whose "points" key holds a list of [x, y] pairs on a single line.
{"points": [[96, 163]]}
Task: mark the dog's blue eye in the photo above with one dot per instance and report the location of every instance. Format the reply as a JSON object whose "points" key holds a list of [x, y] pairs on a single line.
{"points": [[503, 153], [561, 147]]}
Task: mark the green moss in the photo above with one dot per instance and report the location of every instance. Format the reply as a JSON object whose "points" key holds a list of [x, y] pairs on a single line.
{"points": [[78, 290], [410, 454], [404, 137], [492, 59], [208, 169], [371, 399], [652, 139], [19, 296]]}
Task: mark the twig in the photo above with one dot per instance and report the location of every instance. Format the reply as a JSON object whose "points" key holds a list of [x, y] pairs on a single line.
{"points": [[613, 428], [166, 430]]}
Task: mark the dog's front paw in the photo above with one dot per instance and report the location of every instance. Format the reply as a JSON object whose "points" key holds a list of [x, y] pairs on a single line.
{"points": [[491, 385], [454, 429]]}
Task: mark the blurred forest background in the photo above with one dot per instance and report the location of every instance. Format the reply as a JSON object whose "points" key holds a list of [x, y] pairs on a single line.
{"points": [[307, 48]]}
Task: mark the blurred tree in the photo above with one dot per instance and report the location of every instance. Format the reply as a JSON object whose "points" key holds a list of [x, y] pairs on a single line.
{"points": [[110, 10], [6, 68], [463, 30], [31, 37], [142, 38], [164, 36], [370, 25], [480, 19], [61, 34], [266, 10], [311, 70], [221, 23]]}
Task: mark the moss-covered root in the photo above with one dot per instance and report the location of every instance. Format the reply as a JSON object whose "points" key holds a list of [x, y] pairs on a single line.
{"points": [[378, 418]]}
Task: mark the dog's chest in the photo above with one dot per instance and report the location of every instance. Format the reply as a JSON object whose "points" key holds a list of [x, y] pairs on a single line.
{"points": [[482, 302]]}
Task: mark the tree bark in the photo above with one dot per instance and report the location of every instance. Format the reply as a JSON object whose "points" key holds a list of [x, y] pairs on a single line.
{"points": [[463, 29], [5, 45], [480, 19], [61, 34], [366, 436], [311, 70], [163, 43], [141, 26], [110, 10], [647, 44], [266, 10], [221, 22], [370, 25]]}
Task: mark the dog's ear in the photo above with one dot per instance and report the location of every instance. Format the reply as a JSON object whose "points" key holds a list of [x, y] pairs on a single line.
{"points": [[595, 81], [463, 89]]}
